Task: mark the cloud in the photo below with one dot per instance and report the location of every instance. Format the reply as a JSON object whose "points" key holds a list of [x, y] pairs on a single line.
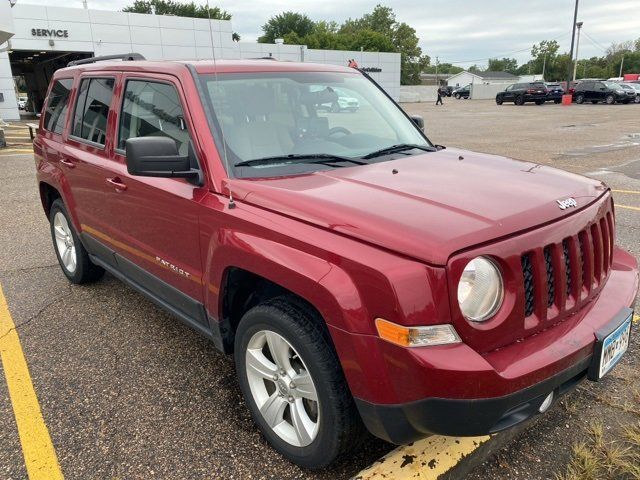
{"points": [[453, 30]]}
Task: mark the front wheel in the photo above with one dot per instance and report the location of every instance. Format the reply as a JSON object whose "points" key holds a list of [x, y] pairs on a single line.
{"points": [[499, 100], [72, 256], [293, 384], [457, 96]]}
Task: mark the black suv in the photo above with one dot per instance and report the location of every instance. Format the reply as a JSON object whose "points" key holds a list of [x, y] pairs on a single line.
{"points": [[600, 91], [462, 92], [521, 93]]}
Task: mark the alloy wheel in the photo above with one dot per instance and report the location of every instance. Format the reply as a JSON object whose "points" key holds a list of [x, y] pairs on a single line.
{"points": [[282, 388], [64, 242]]}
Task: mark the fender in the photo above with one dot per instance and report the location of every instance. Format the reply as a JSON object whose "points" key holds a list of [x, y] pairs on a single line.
{"points": [[295, 270], [54, 177]]}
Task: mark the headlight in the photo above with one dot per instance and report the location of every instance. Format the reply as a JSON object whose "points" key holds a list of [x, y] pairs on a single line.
{"points": [[480, 290]]}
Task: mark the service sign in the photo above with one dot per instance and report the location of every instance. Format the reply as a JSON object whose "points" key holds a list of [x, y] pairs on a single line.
{"points": [[49, 33]]}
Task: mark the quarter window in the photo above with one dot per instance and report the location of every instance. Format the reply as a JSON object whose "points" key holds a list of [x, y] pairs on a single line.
{"points": [[55, 113], [92, 109], [152, 109]]}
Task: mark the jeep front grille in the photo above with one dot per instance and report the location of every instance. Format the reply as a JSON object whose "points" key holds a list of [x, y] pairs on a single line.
{"points": [[558, 276]]}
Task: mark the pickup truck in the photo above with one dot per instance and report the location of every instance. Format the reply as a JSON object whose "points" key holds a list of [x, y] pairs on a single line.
{"points": [[362, 277]]}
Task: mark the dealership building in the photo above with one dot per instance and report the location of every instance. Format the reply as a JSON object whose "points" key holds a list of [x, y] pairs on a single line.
{"points": [[36, 40]]}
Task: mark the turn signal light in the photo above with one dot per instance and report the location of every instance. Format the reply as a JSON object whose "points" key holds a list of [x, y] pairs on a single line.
{"points": [[416, 336]]}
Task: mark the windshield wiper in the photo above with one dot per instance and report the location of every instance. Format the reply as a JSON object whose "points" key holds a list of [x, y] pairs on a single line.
{"points": [[396, 149], [324, 158]]}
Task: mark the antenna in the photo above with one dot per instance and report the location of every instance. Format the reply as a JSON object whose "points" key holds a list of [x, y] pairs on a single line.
{"points": [[224, 142]]}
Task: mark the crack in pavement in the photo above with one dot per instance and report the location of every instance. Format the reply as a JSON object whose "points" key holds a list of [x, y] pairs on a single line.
{"points": [[28, 269], [38, 313]]}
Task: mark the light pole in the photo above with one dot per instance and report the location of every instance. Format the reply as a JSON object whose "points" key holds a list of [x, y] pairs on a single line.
{"points": [[573, 39], [621, 65], [575, 65]]}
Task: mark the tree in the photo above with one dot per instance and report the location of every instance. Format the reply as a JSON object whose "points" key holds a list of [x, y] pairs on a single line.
{"points": [[504, 65], [171, 7], [280, 25], [404, 38]]}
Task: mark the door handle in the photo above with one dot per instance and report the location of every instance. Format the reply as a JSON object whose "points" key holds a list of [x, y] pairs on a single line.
{"points": [[67, 163], [117, 184]]}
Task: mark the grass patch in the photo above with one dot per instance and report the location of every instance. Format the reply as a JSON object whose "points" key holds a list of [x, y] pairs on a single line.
{"points": [[598, 459]]}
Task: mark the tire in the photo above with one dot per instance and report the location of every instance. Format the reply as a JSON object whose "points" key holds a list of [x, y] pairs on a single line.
{"points": [[499, 100], [337, 425], [580, 99], [72, 256], [519, 100], [457, 96], [556, 101], [335, 108], [637, 99], [610, 99]]}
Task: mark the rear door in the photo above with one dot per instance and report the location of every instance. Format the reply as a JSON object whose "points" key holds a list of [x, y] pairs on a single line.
{"points": [[153, 222], [86, 148]]}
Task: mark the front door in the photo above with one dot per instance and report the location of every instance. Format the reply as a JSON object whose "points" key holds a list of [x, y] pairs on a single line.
{"points": [[153, 222]]}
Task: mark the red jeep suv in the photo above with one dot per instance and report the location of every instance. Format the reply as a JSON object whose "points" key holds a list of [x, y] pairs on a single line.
{"points": [[360, 275]]}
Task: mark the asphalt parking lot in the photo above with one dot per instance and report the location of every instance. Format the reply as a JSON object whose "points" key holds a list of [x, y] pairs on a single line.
{"points": [[126, 391]]}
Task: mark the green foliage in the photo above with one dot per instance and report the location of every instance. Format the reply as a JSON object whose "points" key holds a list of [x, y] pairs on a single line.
{"points": [[444, 68], [280, 25], [503, 65], [377, 31], [171, 7]]}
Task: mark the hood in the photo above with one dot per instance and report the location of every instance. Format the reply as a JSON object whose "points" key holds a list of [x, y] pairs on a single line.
{"points": [[435, 205]]}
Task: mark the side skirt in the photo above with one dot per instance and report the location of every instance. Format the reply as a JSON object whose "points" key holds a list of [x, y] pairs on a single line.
{"points": [[186, 309]]}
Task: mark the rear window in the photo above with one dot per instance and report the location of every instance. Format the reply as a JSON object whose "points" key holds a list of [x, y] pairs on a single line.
{"points": [[55, 112], [92, 109]]}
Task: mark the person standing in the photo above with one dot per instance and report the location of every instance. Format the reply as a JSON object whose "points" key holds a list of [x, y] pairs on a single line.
{"points": [[439, 100]]}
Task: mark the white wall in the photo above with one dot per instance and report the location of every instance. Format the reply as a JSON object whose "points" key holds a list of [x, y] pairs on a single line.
{"points": [[485, 91], [462, 79], [8, 106], [418, 93]]}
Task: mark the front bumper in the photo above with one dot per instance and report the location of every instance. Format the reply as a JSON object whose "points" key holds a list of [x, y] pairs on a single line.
{"points": [[405, 394], [406, 423]]}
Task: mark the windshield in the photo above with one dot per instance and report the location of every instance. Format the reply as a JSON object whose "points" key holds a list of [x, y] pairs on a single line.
{"points": [[266, 116], [613, 86]]}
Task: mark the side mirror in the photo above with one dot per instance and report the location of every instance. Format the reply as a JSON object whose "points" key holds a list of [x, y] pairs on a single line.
{"points": [[419, 121], [157, 157]]}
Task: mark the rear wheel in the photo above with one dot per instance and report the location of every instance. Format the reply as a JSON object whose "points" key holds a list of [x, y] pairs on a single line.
{"points": [[457, 96], [610, 99], [72, 256], [293, 384], [580, 98], [519, 100]]}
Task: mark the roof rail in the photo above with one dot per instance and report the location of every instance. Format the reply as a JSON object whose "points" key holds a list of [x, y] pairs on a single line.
{"points": [[125, 57], [263, 58]]}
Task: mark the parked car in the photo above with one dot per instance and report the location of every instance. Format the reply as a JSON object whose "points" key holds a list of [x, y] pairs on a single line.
{"points": [[636, 88], [300, 245], [631, 92], [554, 92], [521, 93], [462, 92], [600, 91], [448, 90], [338, 101], [22, 104]]}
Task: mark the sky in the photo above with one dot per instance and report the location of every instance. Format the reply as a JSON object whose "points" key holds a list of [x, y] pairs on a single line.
{"points": [[464, 32]]}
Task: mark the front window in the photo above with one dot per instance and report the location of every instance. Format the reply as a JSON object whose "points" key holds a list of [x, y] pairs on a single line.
{"points": [[280, 123]]}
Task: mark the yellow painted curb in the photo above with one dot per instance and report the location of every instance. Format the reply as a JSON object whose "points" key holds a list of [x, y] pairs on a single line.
{"points": [[627, 191], [39, 455], [424, 460]]}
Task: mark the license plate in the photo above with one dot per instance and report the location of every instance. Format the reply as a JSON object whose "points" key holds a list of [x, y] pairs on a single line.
{"points": [[610, 348]]}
